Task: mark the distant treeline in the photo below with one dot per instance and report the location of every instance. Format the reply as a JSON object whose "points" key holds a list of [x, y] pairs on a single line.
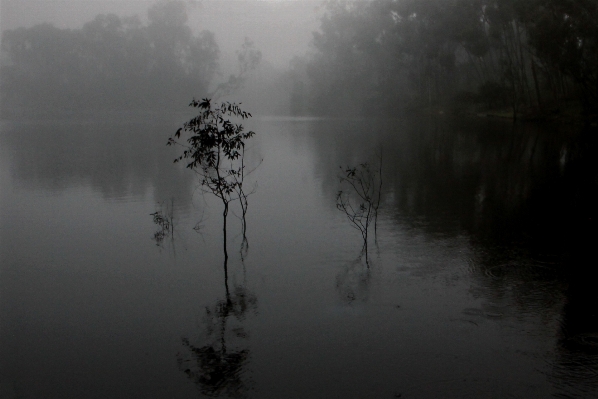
{"points": [[110, 63], [527, 56]]}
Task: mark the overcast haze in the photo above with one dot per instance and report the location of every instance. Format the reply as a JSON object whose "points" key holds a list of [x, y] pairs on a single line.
{"points": [[280, 29], [398, 199]]}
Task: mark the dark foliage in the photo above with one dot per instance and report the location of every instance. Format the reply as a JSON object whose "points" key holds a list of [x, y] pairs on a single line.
{"points": [[214, 150], [382, 56]]}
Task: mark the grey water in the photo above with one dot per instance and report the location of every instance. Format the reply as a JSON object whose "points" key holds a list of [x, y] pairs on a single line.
{"points": [[478, 282]]}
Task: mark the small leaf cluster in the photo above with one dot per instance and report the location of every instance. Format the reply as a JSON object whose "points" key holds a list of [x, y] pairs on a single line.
{"points": [[213, 144]]}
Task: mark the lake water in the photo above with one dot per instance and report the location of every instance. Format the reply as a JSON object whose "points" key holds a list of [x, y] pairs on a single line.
{"points": [[478, 285]]}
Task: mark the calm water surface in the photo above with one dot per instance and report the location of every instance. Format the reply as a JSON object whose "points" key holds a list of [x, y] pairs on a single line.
{"points": [[479, 284]]}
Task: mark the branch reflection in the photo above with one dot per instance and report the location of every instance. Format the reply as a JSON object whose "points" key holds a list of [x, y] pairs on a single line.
{"points": [[217, 363], [353, 282]]}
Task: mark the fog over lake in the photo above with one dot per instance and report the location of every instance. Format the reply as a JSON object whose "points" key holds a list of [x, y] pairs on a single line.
{"points": [[403, 213]]}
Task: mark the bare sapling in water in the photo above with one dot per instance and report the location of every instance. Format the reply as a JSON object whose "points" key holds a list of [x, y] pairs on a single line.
{"points": [[359, 199]]}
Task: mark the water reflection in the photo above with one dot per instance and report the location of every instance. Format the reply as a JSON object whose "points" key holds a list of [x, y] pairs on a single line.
{"points": [[576, 369], [524, 196], [217, 361], [485, 224], [164, 220], [489, 179], [217, 364], [118, 159], [353, 282]]}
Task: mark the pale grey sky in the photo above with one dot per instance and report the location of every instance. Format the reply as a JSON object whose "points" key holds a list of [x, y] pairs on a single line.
{"points": [[279, 28]]}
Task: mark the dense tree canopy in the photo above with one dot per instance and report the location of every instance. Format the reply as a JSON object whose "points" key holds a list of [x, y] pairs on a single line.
{"points": [[110, 63], [384, 55]]}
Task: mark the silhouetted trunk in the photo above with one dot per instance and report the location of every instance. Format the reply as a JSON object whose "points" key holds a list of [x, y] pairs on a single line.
{"points": [[537, 86], [224, 215]]}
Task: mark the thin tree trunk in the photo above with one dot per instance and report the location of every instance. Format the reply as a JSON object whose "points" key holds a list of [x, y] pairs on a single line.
{"points": [[533, 64], [224, 215], [378, 200]]}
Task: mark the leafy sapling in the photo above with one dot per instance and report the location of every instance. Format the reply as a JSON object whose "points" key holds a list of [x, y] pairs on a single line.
{"points": [[214, 150]]}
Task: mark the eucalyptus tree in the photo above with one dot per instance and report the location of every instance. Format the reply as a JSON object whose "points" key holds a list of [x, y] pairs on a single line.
{"points": [[564, 38], [383, 55]]}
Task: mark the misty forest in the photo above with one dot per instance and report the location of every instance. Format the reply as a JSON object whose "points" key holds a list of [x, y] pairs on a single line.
{"points": [[298, 199]]}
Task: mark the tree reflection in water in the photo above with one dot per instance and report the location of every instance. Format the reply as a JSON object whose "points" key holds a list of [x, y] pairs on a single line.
{"points": [[353, 282], [164, 219], [217, 366], [525, 198]]}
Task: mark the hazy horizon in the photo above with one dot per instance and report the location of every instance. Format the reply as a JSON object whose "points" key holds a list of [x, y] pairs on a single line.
{"points": [[279, 29], [261, 199]]}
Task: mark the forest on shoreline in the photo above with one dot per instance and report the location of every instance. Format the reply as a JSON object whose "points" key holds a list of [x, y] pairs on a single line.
{"points": [[525, 59], [111, 63]]}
